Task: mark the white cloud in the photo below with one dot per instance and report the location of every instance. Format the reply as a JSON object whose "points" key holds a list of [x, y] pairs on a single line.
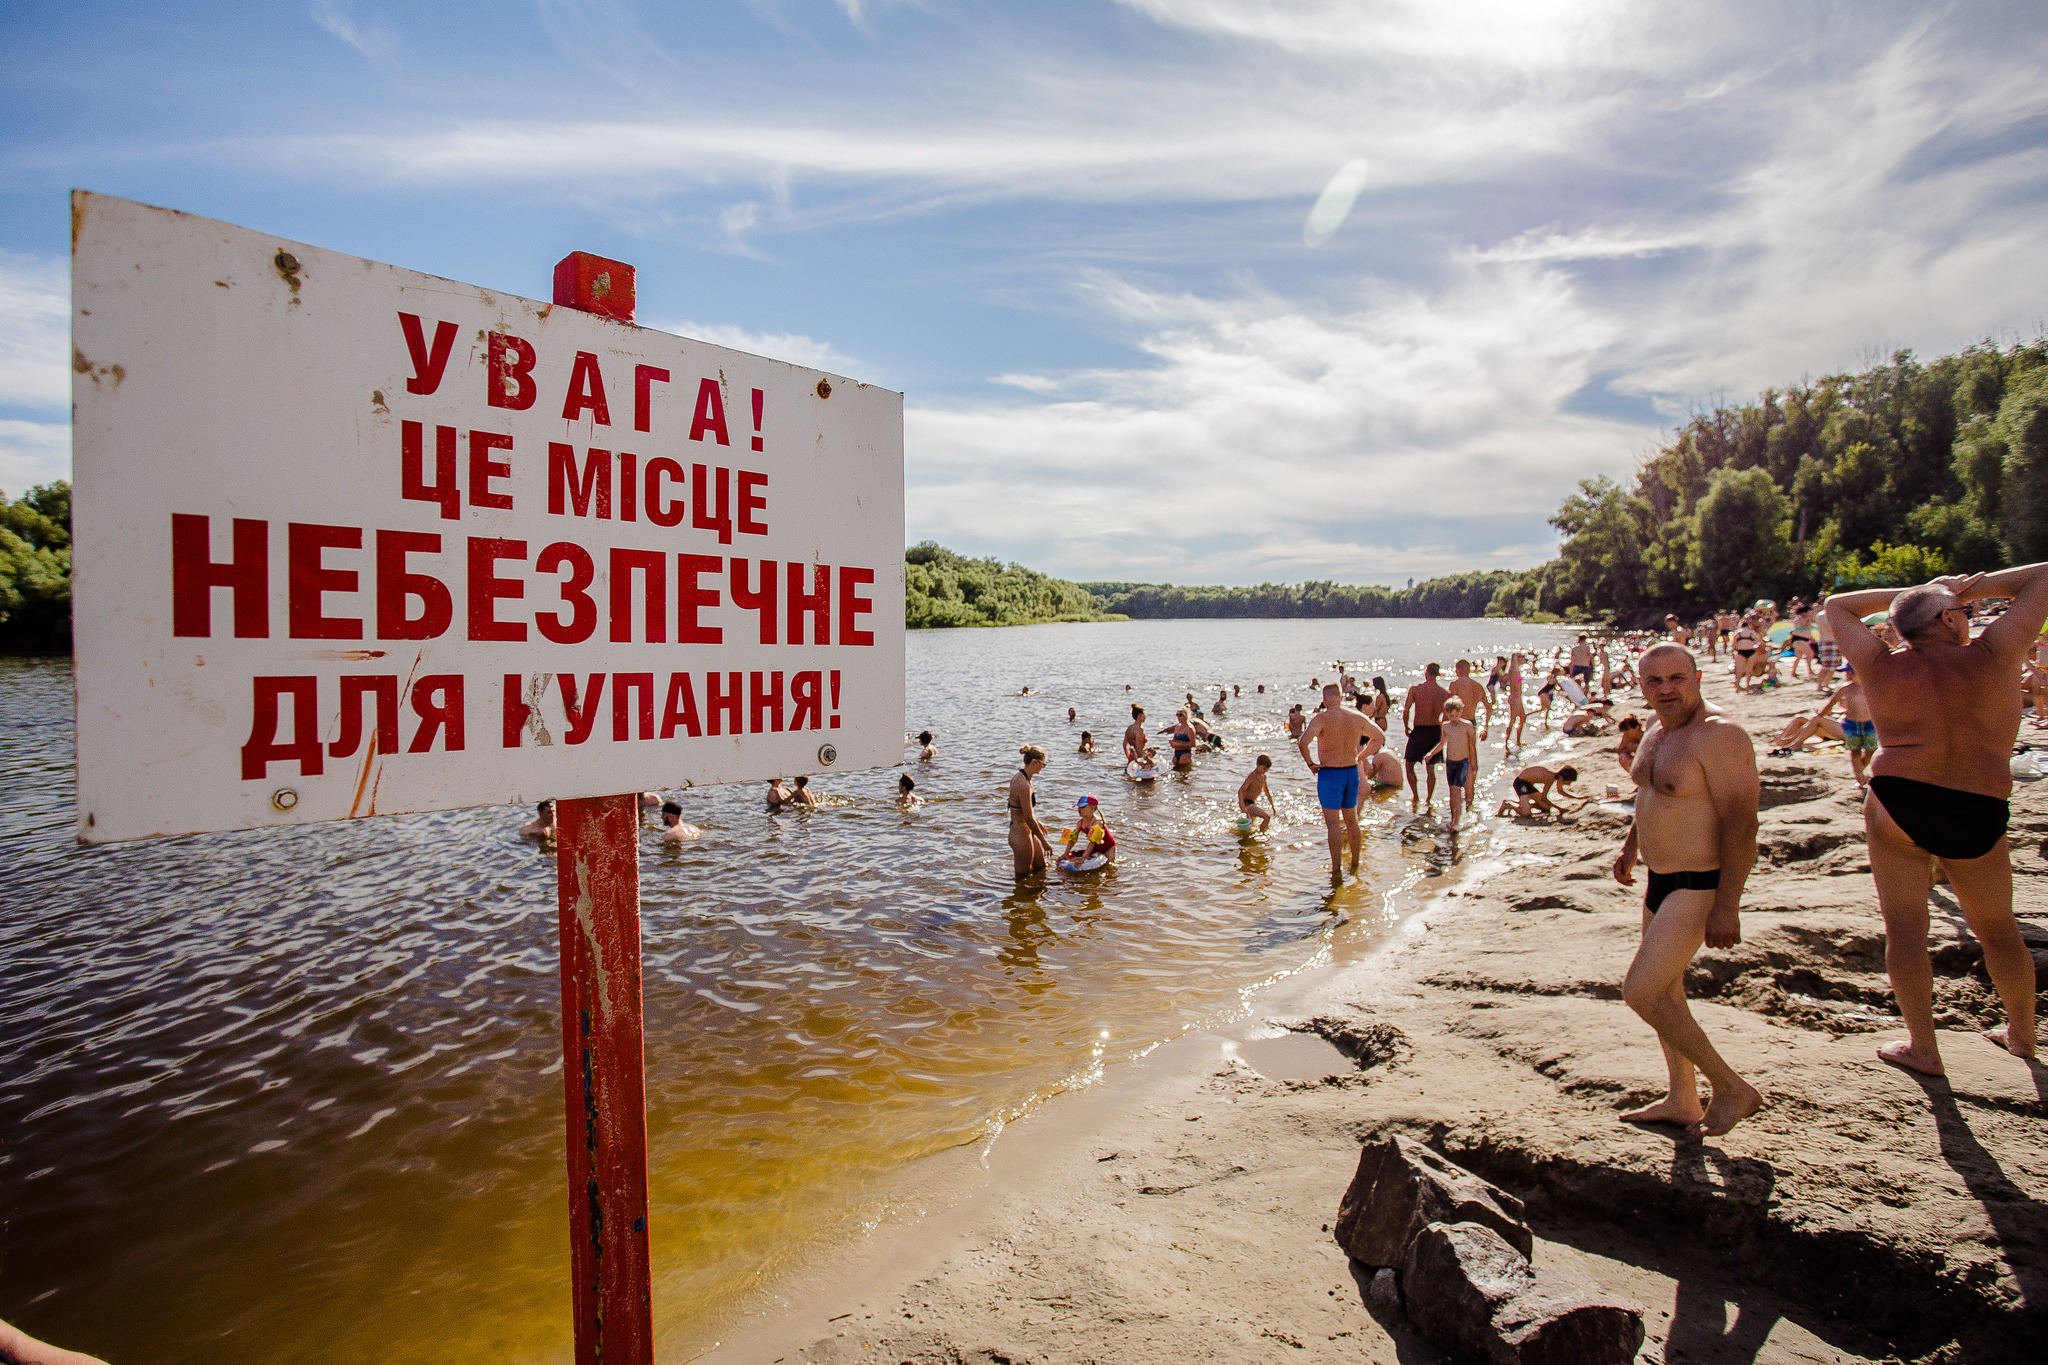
{"points": [[33, 453], [35, 333], [368, 39], [790, 346]]}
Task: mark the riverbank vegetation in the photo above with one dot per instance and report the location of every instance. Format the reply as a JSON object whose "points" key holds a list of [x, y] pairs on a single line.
{"points": [[941, 588], [35, 571], [1894, 474]]}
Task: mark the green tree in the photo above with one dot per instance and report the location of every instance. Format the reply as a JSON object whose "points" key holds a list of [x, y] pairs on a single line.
{"points": [[1742, 545], [35, 570], [2022, 429]]}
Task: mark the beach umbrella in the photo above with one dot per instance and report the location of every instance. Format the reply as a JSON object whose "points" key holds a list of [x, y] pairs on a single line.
{"points": [[1780, 632]]}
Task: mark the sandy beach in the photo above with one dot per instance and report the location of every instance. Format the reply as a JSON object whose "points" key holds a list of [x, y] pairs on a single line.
{"points": [[1181, 1211]]}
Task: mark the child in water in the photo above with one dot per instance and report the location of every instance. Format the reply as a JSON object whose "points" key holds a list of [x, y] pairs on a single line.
{"points": [[1458, 748], [1250, 792], [1091, 837], [906, 793], [1087, 744]]}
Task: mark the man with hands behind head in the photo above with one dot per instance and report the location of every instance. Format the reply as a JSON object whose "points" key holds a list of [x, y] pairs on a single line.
{"points": [[1947, 709], [1695, 830]]}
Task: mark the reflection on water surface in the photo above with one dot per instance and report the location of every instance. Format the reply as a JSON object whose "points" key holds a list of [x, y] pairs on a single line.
{"points": [[293, 1094]]}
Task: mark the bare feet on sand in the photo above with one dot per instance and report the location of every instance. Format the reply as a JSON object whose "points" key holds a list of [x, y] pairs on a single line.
{"points": [[1900, 1052], [1667, 1110], [2002, 1036], [1725, 1111]]}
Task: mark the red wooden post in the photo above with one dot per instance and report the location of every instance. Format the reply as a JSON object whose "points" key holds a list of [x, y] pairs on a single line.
{"points": [[604, 1081]]}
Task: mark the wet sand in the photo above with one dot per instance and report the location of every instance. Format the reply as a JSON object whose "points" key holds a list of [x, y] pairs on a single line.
{"points": [[1180, 1212]]}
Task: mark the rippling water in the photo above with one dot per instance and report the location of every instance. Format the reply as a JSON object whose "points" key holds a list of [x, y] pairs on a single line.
{"points": [[293, 1095]]}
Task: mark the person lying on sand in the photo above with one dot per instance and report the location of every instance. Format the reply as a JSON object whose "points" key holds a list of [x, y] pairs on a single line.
{"points": [[1535, 785], [1695, 831], [1947, 711]]}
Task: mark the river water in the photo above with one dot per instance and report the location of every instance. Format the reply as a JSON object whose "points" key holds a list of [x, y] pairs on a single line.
{"points": [[295, 1094]]}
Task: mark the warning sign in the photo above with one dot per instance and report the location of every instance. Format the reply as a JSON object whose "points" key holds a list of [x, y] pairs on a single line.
{"points": [[352, 540]]}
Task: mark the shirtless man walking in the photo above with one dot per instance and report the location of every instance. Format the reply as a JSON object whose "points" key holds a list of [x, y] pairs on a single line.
{"points": [[1695, 831], [1941, 783], [1338, 733], [1422, 714], [1474, 694]]}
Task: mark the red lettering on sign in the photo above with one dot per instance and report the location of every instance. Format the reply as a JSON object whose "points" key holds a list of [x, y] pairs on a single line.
{"points": [[681, 710], [629, 485], [645, 377], [486, 589], [483, 469], [702, 515], [308, 580], [195, 574], [427, 365], [517, 711], [575, 593], [356, 693], [710, 415], [641, 686], [586, 392], [582, 715], [806, 706], [568, 494], [754, 598], [760, 400], [659, 512], [413, 482], [437, 701], [652, 565], [852, 606], [764, 699], [692, 597], [723, 702], [816, 604], [752, 502], [262, 748], [397, 586], [508, 372]]}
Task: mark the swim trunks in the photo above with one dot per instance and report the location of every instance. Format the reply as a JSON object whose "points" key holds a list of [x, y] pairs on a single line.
{"points": [[1456, 769], [1859, 734], [1421, 740], [1663, 884], [1337, 788], [1523, 788], [1583, 671], [1945, 822], [1830, 654]]}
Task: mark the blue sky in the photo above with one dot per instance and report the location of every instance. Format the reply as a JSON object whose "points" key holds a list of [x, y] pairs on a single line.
{"points": [[1080, 238]]}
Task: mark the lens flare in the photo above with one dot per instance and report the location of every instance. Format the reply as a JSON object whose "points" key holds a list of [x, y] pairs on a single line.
{"points": [[1333, 205]]}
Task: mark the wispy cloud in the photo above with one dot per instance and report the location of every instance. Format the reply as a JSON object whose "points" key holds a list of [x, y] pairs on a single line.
{"points": [[370, 40], [791, 346], [35, 333]]}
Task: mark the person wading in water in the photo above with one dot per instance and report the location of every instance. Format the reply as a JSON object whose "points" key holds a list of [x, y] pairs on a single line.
{"points": [[1030, 845]]}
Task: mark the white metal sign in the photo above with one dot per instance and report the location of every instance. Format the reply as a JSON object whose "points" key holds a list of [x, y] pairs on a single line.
{"points": [[351, 540]]}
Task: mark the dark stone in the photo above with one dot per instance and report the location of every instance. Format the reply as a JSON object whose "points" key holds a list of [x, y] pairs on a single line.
{"points": [[1402, 1187], [1477, 1298]]}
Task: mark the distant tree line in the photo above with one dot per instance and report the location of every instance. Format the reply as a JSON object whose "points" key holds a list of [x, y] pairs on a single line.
{"points": [[941, 588], [1892, 475], [1463, 594], [35, 571]]}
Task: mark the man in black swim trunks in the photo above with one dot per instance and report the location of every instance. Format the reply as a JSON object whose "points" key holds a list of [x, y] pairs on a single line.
{"points": [[1422, 713], [1695, 827], [1947, 710]]}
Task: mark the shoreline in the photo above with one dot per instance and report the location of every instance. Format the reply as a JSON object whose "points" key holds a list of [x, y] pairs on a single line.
{"points": [[1176, 1210]]}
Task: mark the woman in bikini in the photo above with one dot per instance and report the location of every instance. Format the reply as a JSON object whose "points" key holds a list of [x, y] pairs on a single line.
{"points": [[1747, 644], [1381, 703], [1180, 737], [1030, 845]]}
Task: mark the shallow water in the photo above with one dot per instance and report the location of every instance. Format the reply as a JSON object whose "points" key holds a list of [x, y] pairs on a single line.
{"points": [[294, 1094]]}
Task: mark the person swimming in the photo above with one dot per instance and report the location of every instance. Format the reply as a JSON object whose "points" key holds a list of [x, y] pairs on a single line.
{"points": [[906, 793], [778, 794], [803, 795], [542, 825], [927, 750], [1087, 748], [674, 831], [1091, 839]]}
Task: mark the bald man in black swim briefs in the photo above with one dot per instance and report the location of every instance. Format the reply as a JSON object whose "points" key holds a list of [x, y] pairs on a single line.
{"points": [[1947, 710], [1695, 828]]}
